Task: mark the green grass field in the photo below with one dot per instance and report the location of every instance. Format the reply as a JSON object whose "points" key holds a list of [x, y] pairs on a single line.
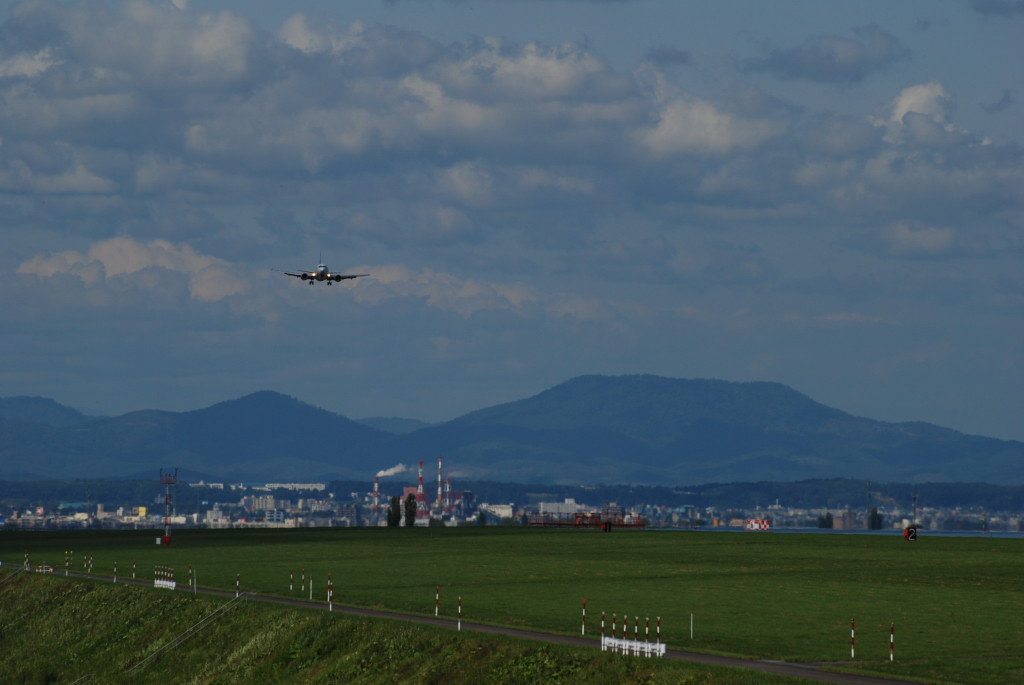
{"points": [[956, 603]]}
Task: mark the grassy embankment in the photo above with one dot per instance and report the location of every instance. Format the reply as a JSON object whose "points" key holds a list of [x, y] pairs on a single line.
{"points": [[955, 602]]}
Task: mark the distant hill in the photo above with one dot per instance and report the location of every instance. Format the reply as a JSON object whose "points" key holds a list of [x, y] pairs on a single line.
{"points": [[591, 429], [648, 429], [395, 425], [40, 410], [263, 435]]}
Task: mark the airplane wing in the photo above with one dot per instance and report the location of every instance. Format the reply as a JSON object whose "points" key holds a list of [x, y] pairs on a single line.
{"points": [[312, 274]]}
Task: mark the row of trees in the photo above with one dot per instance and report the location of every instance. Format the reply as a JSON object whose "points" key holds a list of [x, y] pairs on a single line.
{"points": [[395, 511], [874, 520], [396, 507]]}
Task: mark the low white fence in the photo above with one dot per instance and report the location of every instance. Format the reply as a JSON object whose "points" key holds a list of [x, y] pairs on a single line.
{"points": [[621, 645]]}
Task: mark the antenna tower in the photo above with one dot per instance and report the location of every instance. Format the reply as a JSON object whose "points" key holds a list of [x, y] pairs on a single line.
{"points": [[168, 479]]}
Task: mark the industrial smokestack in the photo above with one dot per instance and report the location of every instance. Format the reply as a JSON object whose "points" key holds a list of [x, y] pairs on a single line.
{"points": [[438, 505], [421, 498]]}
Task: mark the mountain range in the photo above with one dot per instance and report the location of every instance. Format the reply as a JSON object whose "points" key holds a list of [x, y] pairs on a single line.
{"points": [[591, 429]]}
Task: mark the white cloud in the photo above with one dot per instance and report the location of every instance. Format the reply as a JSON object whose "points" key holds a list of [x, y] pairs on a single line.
{"points": [[836, 58], [468, 183], [441, 291], [538, 178], [210, 278], [927, 98], [907, 239], [920, 113], [528, 72], [692, 125], [143, 44], [297, 32], [28, 65], [468, 296]]}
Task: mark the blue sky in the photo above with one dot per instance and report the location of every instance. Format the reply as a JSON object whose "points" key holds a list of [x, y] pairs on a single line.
{"points": [[827, 195]]}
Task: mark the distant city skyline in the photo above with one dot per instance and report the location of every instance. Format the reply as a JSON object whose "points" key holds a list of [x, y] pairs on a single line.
{"points": [[824, 195]]}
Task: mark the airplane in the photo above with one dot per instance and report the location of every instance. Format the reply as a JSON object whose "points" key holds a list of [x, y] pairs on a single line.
{"points": [[321, 273]]}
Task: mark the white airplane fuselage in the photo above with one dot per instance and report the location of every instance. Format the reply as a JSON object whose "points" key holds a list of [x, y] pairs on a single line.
{"points": [[321, 273]]}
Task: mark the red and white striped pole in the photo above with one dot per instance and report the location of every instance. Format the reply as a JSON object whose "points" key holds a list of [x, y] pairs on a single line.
{"points": [[851, 638], [613, 624], [583, 626], [602, 631], [115, 572], [303, 579], [133, 569], [437, 598], [330, 592], [647, 630], [237, 580], [460, 613], [892, 629], [659, 630], [291, 579]]}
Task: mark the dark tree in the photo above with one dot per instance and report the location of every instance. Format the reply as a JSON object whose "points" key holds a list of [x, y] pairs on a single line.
{"points": [[410, 510], [874, 519], [825, 521], [481, 519], [395, 512]]}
